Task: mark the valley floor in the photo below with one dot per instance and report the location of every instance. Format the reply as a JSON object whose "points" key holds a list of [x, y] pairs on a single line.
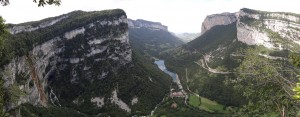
{"points": [[181, 99]]}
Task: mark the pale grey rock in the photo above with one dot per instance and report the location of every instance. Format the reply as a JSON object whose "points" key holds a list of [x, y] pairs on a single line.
{"points": [[285, 29], [134, 100], [139, 23], [74, 33], [251, 36], [99, 101], [115, 100], [284, 16], [29, 28], [283, 24], [286, 25], [217, 19], [53, 98], [47, 55], [97, 51]]}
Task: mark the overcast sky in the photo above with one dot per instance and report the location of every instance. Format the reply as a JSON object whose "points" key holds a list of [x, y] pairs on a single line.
{"points": [[178, 15]]}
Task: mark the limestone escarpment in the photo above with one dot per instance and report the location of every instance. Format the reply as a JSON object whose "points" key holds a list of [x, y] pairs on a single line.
{"points": [[217, 19], [92, 48], [139, 23], [28, 28], [270, 29], [151, 37], [276, 30]]}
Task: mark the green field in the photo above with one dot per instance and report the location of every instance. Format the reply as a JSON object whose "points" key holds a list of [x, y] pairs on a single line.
{"points": [[205, 104]]}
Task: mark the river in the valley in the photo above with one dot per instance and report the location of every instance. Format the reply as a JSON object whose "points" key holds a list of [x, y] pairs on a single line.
{"points": [[161, 65]]}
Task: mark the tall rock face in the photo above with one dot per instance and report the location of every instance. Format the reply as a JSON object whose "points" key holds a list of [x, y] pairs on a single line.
{"points": [[151, 37], [84, 48], [268, 29], [217, 19], [227, 43], [139, 23], [276, 30], [78, 60]]}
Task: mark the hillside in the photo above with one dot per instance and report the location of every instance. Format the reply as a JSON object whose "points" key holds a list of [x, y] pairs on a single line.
{"points": [[187, 37], [78, 64], [151, 37], [240, 59]]}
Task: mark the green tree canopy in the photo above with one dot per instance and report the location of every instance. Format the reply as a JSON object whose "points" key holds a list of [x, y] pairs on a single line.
{"points": [[267, 84], [39, 2], [2, 27], [2, 33], [295, 59]]}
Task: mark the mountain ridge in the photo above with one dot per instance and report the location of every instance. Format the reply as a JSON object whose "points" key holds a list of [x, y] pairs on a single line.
{"points": [[232, 56], [151, 37], [140, 23], [82, 62], [255, 27]]}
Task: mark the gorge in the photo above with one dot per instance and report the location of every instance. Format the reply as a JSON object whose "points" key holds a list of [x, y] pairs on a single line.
{"points": [[100, 63]]}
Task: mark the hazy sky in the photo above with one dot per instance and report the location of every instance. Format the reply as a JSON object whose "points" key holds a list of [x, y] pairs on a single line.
{"points": [[178, 15]]}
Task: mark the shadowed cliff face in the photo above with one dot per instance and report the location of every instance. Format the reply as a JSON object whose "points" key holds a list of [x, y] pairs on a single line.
{"points": [[81, 61], [151, 37]]}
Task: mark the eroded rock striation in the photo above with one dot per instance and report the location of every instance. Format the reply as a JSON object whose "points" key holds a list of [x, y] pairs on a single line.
{"points": [[139, 23], [217, 19], [88, 51], [269, 29]]}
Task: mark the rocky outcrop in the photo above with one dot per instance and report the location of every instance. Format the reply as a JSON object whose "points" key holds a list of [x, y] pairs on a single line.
{"points": [[217, 19], [187, 37], [115, 100], [269, 29], [139, 23], [28, 28], [91, 51]]}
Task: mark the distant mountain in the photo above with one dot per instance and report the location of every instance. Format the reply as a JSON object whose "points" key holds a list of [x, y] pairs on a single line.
{"points": [[228, 63], [78, 64], [187, 37], [151, 37]]}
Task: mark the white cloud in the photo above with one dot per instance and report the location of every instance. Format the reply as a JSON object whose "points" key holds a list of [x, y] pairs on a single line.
{"points": [[178, 15]]}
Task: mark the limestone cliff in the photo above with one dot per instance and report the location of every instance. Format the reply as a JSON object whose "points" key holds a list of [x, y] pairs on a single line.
{"points": [[85, 48], [80, 62], [276, 30], [151, 37], [139, 23], [217, 19]]}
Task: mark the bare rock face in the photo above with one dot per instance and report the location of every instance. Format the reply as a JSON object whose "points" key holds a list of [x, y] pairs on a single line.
{"points": [[139, 23], [90, 51], [269, 29], [28, 28], [217, 19]]}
